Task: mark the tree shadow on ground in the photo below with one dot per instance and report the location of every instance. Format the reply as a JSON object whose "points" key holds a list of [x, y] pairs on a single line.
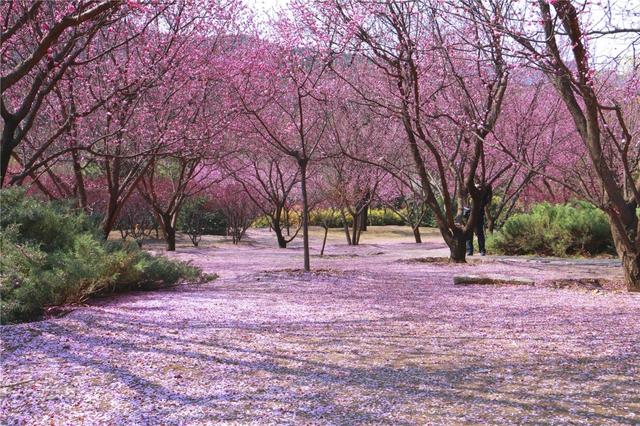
{"points": [[315, 387]]}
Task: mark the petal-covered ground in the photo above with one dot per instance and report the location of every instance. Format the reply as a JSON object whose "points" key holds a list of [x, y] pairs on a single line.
{"points": [[369, 337]]}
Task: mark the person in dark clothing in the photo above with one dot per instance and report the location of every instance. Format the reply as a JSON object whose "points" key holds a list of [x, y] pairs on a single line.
{"points": [[479, 228]]}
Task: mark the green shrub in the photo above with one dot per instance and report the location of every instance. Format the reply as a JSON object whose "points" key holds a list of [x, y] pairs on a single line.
{"points": [[51, 225], [261, 222], [333, 219], [196, 217], [561, 230], [52, 255], [384, 217], [330, 218]]}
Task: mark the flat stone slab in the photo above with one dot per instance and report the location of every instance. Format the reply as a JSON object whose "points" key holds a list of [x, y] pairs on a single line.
{"points": [[490, 280]]}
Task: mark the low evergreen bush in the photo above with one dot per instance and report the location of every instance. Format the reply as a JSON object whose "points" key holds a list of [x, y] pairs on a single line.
{"points": [[51, 254], [577, 228]]}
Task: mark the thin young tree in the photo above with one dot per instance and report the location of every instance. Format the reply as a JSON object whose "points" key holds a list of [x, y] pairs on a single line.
{"points": [[279, 89]]}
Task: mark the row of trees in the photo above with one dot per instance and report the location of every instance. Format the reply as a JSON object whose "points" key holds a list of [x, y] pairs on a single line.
{"points": [[424, 106]]}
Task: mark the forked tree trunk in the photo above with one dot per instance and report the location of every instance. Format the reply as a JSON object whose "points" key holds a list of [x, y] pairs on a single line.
{"points": [[416, 234], [115, 205]]}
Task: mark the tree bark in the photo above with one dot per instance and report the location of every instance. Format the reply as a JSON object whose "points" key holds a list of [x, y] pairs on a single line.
{"points": [[631, 266], [345, 225], [159, 229], [630, 260], [168, 222], [457, 248], [305, 213], [282, 242], [276, 225], [347, 234], [170, 233], [6, 149], [287, 222], [324, 240], [416, 234], [364, 218], [491, 223], [110, 218], [355, 230], [80, 187]]}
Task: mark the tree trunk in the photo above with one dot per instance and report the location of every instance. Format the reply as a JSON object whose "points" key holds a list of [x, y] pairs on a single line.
{"points": [[116, 200], [159, 229], [345, 224], [6, 148], [630, 260], [631, 266], [305, 213], [357, 233], [109, 219], [324, 240], [287, 222], [364, 218], [276, 226], [347, 234], [457, 248], [80, 188], [170, 233], [491, 223], [416, 234], [282, 242], [355, 230], [168, 226]]}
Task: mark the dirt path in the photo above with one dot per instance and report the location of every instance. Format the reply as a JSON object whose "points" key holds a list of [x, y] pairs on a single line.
{"points": [[371, 336]]}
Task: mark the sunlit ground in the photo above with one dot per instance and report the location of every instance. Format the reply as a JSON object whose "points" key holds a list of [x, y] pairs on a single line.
{"points": [[370, 336]]}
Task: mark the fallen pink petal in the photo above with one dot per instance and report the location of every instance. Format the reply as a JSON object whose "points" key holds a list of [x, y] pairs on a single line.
{"points": [[319, 212]]}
